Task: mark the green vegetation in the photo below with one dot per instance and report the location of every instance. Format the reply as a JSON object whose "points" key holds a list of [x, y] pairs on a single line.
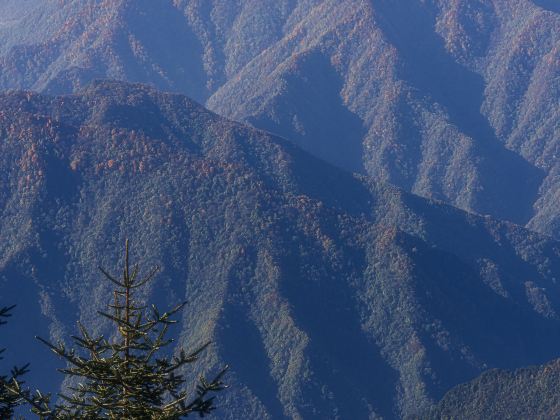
{"points": [[528, 393], [295, 268], [453, 100], [125, 377], [8, 400]]}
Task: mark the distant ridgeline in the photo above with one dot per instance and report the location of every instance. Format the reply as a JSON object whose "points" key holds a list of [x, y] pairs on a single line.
{"points": [[327, 293], [451, 100], [528, 393]]}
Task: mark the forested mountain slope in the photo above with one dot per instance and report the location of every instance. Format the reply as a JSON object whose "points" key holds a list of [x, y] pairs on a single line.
{"points": [[455, 100], [522, 394], [330, 295]]}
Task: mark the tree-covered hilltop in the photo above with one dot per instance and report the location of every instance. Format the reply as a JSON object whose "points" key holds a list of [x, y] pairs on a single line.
{"points": [[528, 393], [295, 269]]}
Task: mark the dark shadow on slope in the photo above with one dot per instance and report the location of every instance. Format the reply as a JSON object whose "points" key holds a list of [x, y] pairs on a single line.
{"points": [[510, 183], [243, 349], [23, 65], [174, 56], [170, 288], [335, 187], [342, 358], [241, 343], [18, 287], [498, 331], [153, 44], [53, 216], [310, 176], [311, 112], [72, 79], [483, 238], [550, 5]]}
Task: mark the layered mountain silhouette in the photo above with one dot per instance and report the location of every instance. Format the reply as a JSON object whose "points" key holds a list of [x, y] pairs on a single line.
{"points": [[524, 393], [452, 100], [329, 294]]}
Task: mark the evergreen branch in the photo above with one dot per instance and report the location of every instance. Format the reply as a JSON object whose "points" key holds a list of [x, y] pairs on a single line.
{"points": [[147, 279], [5, 312], [124, 378], [111, 278]]}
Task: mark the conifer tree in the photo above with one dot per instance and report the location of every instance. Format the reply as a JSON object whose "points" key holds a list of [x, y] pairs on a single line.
{"points": [[8, 400], [127, 377]]}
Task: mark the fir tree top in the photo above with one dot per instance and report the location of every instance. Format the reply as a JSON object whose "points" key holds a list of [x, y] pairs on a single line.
{"points": [[127, 377]]}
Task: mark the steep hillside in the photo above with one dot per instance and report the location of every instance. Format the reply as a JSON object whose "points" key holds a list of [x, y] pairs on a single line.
{"points": [[453, 100], [522, 394], [331, 296]]}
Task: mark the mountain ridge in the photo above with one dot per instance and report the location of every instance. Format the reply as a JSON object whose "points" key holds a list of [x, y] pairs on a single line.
{"points": [[269, 245], [448, 100], [525, 392]]}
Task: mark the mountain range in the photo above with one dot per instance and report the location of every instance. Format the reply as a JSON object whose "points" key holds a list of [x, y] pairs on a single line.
{"points": [[330, 295], [452, 100], [357, 198]]}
